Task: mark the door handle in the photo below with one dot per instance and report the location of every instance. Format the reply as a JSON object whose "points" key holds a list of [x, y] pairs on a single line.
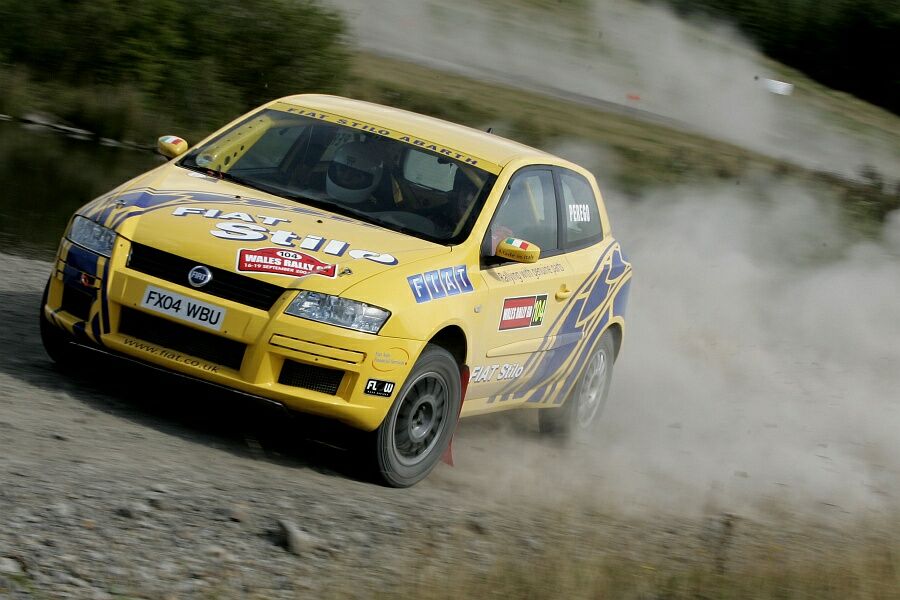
{"points": [[563, 292]]}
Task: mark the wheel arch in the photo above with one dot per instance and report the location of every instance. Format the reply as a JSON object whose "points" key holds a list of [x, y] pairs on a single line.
{"points": [[452, 338], [616, 329]]}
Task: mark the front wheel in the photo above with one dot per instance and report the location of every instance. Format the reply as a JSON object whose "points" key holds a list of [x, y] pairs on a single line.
{"points": [[581, 411], [418, 428]]}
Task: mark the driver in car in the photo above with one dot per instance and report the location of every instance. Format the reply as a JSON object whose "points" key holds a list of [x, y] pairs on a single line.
{"points": [[354, 172], [365, 174]]}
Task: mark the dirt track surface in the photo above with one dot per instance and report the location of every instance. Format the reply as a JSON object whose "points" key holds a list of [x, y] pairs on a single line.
{"points": [[153, 488], [157, 488]]}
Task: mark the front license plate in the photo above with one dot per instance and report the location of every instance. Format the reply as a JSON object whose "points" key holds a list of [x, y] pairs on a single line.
{"points": [[183, 308]]}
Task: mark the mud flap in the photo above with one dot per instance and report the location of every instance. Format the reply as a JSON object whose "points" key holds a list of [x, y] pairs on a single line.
{"points": [[464, 385]]}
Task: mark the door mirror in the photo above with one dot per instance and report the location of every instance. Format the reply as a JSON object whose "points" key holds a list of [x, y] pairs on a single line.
{"points": [[171, 146], [518, 250]]}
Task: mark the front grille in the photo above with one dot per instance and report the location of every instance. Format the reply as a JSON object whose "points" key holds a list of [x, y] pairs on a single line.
{"points": [[76, 302], [311, 377], [224, 284], [214, 348]]}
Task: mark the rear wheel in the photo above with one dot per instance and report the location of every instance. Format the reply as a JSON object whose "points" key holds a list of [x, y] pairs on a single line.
{"points": [[418, 428], [581, 411]]}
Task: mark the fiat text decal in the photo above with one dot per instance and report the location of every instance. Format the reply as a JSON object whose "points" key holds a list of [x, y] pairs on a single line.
{"points": [[278, 261], [434, 285]]}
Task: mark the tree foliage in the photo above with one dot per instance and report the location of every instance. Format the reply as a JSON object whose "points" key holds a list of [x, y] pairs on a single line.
{"points": [[205, 60], [851, 45]]}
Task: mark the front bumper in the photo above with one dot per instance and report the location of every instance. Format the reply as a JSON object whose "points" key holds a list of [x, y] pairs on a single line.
{"points": [[306, 366]]}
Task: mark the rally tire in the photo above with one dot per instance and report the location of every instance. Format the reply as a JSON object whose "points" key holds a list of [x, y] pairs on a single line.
{"points": [[579, 414], [56, 341], [420, 424]]}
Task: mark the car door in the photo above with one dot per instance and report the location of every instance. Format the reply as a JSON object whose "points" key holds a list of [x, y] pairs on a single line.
{"points": [[594, 255], [523, 300]]}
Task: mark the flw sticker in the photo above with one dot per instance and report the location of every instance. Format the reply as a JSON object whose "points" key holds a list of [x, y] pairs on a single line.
{"points": [[520, 244], [524, 311], [278, 261]]}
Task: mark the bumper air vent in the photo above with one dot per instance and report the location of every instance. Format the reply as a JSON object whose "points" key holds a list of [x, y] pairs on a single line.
{"points": [[311, 377], [209, 347], [76, 302]]}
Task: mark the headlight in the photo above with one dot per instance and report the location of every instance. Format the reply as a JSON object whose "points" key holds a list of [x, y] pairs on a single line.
{"points": [[338, 311], [92, 236]]}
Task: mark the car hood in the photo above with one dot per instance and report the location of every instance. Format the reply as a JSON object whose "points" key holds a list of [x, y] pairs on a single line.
{"points": [[221, 224]]}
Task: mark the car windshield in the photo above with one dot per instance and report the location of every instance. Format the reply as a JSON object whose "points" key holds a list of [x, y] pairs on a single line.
{"points": [[370, 176]]}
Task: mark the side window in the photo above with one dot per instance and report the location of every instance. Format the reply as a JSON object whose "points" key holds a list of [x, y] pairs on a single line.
{"points": [[527, 212], [580, 206]]}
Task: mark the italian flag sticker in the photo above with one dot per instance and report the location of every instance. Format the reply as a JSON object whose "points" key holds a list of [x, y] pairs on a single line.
{"points": [[520, 244]]}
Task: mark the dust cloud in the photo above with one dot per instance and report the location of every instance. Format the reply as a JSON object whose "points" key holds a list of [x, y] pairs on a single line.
{"points": [[762, 358], [759, 370], [627, 56], [760, 367]]}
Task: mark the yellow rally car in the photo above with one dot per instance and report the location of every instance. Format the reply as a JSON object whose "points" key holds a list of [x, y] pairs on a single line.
{"points": [[372, 265]]}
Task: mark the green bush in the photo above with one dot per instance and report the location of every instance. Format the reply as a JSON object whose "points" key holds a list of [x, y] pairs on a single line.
{"points": [[14, 98], [200, 64], [109, 111]]}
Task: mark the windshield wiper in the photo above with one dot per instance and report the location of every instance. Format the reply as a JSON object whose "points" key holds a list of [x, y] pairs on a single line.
{"points": [[340, 209], [329, 205], [366, 217], [223, 175]]}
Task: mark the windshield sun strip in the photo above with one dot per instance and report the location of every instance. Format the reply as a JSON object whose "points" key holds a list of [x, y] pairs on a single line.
{"points": [[411, 140]]}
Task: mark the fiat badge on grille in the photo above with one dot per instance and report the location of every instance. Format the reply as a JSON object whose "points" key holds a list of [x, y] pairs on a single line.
{"points": [[199, 276]]}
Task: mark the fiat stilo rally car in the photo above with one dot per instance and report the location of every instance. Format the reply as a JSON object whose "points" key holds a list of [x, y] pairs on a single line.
{"points": [[375, 266]]}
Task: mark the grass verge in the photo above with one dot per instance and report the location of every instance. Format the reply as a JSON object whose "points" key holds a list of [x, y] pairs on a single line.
{"points": [[718, 559]]}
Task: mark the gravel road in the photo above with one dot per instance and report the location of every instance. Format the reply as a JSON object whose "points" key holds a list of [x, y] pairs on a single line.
{"points": [[167, 490]]}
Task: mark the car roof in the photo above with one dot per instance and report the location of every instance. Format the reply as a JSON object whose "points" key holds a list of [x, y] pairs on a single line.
{"points": [[487, 146]]}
